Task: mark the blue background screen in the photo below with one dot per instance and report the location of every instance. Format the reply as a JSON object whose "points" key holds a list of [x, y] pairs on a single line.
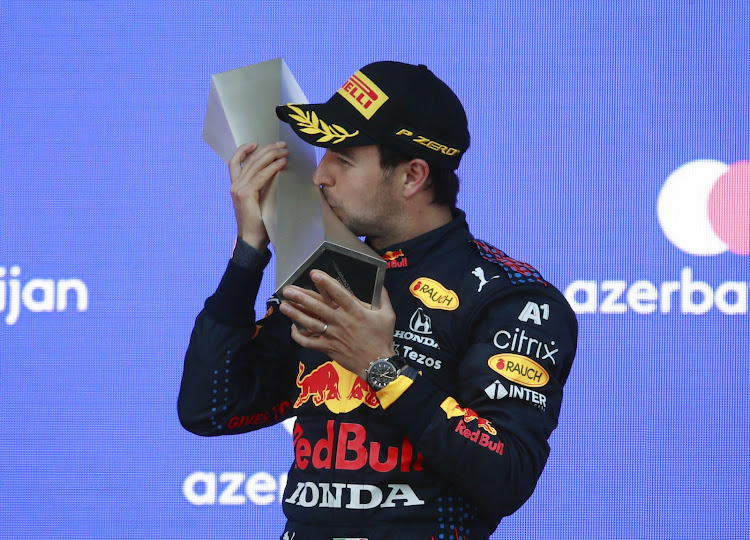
{"points": [[610, 149]]}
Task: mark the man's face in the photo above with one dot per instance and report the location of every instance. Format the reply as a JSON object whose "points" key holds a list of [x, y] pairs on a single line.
{"points": [[360, 195]]}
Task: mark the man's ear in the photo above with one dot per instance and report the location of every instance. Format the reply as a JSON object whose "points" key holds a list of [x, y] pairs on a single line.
{"points": [[417, 173]]}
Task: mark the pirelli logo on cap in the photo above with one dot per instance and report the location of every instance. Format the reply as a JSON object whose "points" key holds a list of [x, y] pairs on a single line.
{"points": [[363, 94]]}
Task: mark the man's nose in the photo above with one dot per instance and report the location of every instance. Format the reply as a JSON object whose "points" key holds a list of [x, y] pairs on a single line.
{"points": [[321, 176]]}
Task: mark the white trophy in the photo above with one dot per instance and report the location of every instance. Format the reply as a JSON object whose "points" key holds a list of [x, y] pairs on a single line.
{"points": [[304, 231]]}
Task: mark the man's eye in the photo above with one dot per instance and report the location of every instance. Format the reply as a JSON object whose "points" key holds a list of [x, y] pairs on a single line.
{"points": [[342, 160]]}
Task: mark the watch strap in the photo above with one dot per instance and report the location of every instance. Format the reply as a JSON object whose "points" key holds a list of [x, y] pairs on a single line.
{"points": [[391, 392], [398, 361]]}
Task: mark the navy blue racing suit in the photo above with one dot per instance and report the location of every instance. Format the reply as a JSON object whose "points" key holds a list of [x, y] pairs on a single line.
{"points": [[444, 451]]}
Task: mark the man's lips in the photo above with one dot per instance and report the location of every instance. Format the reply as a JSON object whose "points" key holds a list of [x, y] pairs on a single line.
{"points": [[328, 200], [333, 207]]}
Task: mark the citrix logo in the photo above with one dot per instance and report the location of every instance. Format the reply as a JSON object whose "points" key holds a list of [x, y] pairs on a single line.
{"points": [[704, 207], [38, 295]]}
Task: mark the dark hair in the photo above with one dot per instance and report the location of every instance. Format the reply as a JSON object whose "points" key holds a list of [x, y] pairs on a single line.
{"points": [[442, 181]]}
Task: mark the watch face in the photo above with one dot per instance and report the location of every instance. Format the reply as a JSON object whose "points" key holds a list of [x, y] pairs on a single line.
{"points": [[381, 373]]}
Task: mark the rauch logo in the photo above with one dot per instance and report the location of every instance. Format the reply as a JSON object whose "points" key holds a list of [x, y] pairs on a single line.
{"points": [[703, 209]]}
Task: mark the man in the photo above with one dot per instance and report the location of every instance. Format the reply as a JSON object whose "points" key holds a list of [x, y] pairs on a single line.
{"points": [[425, 418]]}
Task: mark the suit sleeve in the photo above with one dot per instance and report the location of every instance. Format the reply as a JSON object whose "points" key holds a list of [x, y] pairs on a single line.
{"points": [[490, 437], [237, 376]]}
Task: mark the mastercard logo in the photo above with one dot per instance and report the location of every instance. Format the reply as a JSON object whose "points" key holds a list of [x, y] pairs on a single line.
{"points": [[704, 207]]}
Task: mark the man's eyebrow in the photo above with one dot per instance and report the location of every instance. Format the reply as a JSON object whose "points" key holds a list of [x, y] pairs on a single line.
{"points": [[346, 152]]}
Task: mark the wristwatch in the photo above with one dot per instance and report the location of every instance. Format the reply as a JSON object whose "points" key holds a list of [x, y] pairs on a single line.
{"points": [[383, 371]]}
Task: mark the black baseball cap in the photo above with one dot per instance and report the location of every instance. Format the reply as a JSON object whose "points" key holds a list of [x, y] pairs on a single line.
{"points": [[401, 106]]}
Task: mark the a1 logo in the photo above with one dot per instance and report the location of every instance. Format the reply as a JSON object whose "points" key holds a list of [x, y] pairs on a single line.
{"points": [[534, 312]]}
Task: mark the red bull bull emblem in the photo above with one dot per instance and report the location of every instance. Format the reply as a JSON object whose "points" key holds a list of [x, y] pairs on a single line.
{"points": [[327, 383], [393, 255], [395, 259], [452, 409], [481, 435]]}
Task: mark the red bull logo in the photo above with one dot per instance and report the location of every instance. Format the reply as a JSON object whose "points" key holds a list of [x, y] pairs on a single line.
{"points": [[480, 438], [362, 392], [347, 446], [392, 258], [453, 409], [481, 435], [327, 383], [393, 255]]}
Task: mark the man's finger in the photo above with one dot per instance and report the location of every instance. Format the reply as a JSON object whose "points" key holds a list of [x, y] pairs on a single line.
{"points": [[265, 157], [333, 291], [235, 163], [308, 302], [306, 339], [325, 297], [314, 294], [250, 160], [302, 320]]}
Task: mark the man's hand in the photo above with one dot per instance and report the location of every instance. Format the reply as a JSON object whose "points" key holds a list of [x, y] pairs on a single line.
{"points": [[251, 170], [338, 324]]}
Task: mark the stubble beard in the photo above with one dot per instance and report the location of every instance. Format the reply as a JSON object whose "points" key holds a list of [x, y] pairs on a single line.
{"points": [[374, 223]]}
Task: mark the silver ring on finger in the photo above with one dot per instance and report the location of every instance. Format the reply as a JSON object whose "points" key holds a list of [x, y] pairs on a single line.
{"points": [[323, 331]]}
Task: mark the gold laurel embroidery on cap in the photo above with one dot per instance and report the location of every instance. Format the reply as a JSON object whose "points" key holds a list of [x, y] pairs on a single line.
{"points": [[312, 125]]}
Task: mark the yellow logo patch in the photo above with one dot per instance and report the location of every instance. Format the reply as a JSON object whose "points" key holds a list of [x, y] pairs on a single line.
{"points": [[519, 369], [312, 125], [334, 386], [452, 409], [363, 94], [433, 294], [429, 143]]}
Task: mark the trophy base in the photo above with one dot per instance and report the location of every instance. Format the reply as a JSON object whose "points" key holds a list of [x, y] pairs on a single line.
{"points": [[358, 273]]}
